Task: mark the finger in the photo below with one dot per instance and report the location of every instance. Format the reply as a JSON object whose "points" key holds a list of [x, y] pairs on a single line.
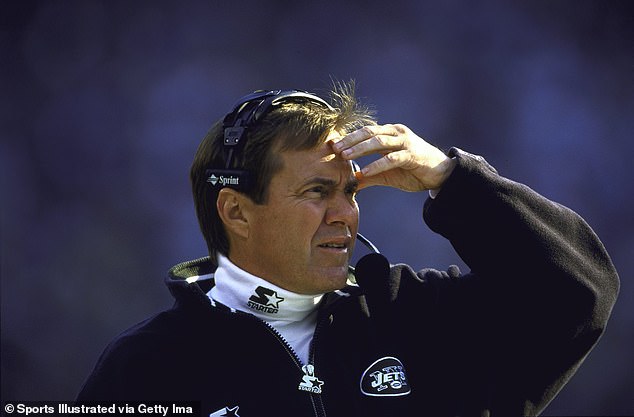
{"points": [[365, 182], [377, 144], [378, 172], [374, 139], [388, 162], [361, 135]]}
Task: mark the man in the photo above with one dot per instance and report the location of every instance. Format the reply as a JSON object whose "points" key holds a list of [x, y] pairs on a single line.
{"points": [[270, 325]]}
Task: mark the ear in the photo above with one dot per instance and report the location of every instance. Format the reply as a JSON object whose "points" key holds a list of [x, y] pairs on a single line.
{"points": [[231, 207]]}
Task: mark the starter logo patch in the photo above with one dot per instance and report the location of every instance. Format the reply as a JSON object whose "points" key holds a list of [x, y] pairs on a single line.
{"points": [[310, 382], [265, 299], [385, 377], [226, 412]]}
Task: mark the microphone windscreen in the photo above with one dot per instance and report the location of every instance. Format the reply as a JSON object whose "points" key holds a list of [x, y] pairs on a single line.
{"points": [[372, 273]]}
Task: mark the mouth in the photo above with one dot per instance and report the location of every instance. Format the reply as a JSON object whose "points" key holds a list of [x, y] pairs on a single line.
{"points": [[336, 245]]}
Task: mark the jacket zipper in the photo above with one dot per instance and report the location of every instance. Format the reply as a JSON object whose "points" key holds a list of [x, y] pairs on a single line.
{"points": [[318, 403], [316, 399], [318, 406]]}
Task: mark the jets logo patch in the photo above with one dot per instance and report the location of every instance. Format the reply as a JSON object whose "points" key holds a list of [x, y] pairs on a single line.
{"points": [[385, 377], [265, 299]]}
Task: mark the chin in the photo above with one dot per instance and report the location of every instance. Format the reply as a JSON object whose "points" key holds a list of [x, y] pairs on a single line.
{"points": [[329, 279], [338, 281]]}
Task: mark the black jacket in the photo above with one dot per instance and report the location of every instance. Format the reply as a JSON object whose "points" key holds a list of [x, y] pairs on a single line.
{"points": [[502, 339]]}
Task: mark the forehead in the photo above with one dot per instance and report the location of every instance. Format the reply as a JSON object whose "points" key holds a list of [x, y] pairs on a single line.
{"points": [[319, 161]]}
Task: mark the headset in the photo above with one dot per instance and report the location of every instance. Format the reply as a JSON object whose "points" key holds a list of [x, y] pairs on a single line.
{"points": [[244, 116]]}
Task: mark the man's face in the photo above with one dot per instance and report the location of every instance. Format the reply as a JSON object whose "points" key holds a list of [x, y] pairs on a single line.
{"points": [[303, 237]]}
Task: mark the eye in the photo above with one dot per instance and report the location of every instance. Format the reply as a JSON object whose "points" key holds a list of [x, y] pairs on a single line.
{"points": [[317, 191]]}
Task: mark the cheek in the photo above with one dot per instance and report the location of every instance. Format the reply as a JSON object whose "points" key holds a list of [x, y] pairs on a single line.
{"points": [[291, 224], [290, 227]]}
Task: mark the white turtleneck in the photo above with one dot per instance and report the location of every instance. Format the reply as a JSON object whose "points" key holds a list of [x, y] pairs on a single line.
{"points": [[293, 315]]}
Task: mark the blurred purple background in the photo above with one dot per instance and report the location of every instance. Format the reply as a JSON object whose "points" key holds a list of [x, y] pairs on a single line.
{"points": [[104, 103]]}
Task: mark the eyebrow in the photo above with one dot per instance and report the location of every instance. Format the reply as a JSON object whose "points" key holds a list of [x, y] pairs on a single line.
{"points": [[351, 184]]}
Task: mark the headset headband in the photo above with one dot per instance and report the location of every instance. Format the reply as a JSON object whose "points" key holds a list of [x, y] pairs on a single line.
{"points": [[246, 113], [252, 107]]}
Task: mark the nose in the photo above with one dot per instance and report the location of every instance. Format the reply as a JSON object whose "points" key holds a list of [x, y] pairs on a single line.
{"points": [[342, 209]]}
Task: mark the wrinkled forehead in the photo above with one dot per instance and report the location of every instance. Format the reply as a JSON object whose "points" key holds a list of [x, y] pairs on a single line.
{"points": [[325, 154], [319, 161]]}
